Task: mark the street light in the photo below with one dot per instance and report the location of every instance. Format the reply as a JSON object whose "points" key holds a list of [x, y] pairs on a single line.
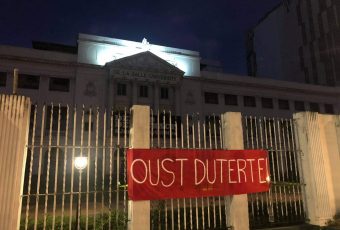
{"points": [[80, 163]]}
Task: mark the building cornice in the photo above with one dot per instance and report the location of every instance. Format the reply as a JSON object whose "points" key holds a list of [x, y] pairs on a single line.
{"points": [[49, 62], [269, 84]]}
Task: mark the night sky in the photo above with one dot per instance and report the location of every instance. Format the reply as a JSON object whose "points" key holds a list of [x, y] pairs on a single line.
{"points": [[215, 28]]}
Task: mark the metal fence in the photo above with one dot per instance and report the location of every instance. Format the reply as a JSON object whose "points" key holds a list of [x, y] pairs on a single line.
{"points": [[283, 204], [191, 131], [56, 195]]}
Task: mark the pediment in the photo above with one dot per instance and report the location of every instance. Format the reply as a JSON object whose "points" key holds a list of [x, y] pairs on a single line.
{"points": [[146, 62]]}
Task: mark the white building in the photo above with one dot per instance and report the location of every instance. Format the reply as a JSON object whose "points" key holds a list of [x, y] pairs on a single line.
{"points": [[116, 73]]}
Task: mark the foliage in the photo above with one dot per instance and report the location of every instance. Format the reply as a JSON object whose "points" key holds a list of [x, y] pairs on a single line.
{"points": [[117, 220]]}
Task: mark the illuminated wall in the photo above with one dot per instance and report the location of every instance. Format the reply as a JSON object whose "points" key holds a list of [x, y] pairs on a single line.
{"points": [[100, 50]]}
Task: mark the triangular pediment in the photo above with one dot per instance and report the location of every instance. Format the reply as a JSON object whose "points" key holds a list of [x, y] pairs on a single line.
{"points": [[145, 61]]}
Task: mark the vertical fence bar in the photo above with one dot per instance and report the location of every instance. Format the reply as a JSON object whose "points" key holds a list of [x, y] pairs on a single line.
{"points": [[56, 170], [64, 170], [272, 145], [171, 200], [271, 208], [294, 151], [88, 166], [258, 196], [48, 165], [96, 171], [280, 152], [72, 165], [290, 172], [31, 167], [200, 147], [188, 146], [103, 168], [277, 164], [118, 168], [80, 171], [125, 146], [178, 200], [286, 170], [164, 146], [184, 203], [110, 166], [211, 147], [247, 122]]}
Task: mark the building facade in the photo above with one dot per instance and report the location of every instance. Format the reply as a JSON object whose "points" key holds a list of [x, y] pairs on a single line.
{"points": [[297, 41], [115, 73]]}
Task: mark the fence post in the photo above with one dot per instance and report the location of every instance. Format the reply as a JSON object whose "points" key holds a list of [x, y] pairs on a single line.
{"points": [[237, 215], [139, 211], [320, 160], [14, 127]]}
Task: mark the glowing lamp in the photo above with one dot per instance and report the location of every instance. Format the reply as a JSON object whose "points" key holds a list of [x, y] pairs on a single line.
{"points": [[80, 162], [268, 179]]}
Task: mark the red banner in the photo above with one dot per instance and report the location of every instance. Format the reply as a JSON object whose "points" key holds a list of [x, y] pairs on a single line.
{"points": [[155, 174]]}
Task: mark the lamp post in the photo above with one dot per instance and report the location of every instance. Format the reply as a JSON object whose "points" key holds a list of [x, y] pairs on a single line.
{"points": [[80, 163]]}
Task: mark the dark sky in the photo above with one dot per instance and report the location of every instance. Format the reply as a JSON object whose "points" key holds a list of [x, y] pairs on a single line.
{"points": [[215, 28]]}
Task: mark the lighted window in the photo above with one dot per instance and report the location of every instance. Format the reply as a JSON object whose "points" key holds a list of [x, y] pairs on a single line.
{"points": [[211, 98], [249, 101], [283, 104], [314, 107], [59, 84], [26, 81], [121, 89], [299, 106], [267, 103], [143, 91], [230, 99], [329, 109]]}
